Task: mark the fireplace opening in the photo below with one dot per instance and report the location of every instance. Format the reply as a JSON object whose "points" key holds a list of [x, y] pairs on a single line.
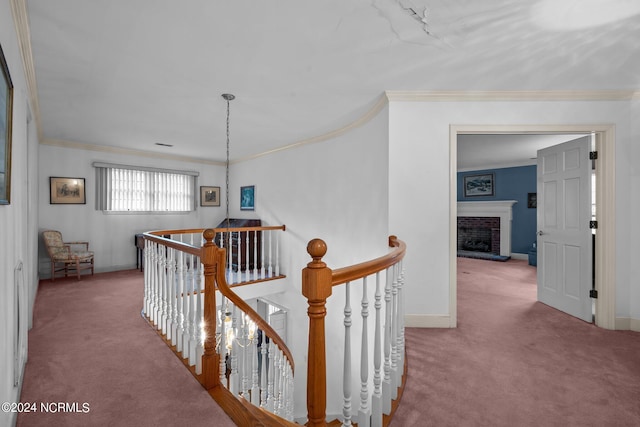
{"points": [[479, 234], [476, 239]]}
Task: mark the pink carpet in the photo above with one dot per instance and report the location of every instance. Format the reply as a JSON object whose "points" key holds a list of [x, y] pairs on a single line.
{"points": [[90, 345], [516, 362]]}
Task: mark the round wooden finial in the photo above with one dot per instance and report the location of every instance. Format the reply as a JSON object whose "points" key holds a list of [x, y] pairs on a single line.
{"points": [[317, 248], [209, 234]]}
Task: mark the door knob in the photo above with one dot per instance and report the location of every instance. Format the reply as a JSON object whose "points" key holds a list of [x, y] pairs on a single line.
{"points": [[540, 233]]}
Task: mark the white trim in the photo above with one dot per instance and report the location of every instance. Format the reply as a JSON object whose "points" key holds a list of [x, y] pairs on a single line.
{"points": [[489, 96], [627, 324], [493, 208], [427, 321], [523, 257], [366, 117], [126, 151], [23, 32], [605, 252]]}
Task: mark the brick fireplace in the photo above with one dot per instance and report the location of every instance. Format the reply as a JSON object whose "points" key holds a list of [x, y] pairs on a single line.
{"points": [[485, 226], [479, 234]]}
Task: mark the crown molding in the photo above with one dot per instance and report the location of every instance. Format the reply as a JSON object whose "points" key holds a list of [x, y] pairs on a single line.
{"points": [[534, 95], [366, 117], [126, 151], [23, 33]]}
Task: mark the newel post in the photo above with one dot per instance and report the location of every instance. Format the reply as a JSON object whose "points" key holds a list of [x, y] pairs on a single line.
{"points": [[316, 287], [209, 259]]}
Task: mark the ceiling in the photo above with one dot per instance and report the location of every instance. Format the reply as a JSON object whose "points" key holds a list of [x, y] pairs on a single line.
{"points": [[493, 151], [133, 73]]}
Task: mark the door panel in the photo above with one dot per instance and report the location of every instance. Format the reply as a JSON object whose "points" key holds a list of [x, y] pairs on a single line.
{"points": [[564, 237]]}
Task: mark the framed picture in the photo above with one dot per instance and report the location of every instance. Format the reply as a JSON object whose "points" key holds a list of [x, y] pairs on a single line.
{"points": [[532, 200], [248, 198], [479, 185], [66, 191], [209, 196], [6, 117]]}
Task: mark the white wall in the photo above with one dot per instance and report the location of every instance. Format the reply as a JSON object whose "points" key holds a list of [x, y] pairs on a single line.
{"points": [[633, 154], [18, 221], [420, 179], [335, 190], [111, 236]]}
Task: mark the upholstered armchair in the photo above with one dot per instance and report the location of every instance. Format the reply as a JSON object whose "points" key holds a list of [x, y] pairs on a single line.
{"points": [[67, 256]]}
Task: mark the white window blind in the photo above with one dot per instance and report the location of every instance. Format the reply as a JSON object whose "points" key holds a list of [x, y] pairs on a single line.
{"points": [[136, 189]]}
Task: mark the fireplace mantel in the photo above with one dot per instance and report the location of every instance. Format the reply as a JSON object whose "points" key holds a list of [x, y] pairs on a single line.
{"points": [[493, 208]]}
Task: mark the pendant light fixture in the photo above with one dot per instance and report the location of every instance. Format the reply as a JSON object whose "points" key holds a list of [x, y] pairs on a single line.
{"points": [[228, 97]]}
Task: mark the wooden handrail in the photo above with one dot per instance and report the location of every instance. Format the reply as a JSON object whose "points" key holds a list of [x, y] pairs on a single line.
{"points": [[213, 260], [225, 290], [317, 283], [358, 271]]}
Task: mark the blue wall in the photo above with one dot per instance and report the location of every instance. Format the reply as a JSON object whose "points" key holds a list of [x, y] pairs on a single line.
{"points": [[512, 184]]}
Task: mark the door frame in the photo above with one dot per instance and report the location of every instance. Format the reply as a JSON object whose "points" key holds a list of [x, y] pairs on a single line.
{"points": [[605, 248]]}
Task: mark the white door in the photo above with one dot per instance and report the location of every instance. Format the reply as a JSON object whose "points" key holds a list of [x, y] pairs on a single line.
{"points": [[278, 321], [564, 235]]}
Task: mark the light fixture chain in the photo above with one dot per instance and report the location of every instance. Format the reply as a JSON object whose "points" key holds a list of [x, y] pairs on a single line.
{"points": [[227, 164]]}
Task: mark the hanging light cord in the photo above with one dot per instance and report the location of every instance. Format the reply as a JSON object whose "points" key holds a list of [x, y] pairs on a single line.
{"points": [[229, 98]]}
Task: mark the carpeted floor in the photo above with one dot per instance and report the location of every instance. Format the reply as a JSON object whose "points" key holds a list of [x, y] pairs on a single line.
{"points": [[91, 349], [516, 362], [511, 362]]}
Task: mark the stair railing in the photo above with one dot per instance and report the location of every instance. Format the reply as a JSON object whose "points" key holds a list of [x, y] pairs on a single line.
{"points": [[181, 280], [384, 279]]}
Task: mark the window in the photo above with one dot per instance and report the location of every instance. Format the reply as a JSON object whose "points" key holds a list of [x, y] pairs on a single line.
{"points": [[138, 189]]}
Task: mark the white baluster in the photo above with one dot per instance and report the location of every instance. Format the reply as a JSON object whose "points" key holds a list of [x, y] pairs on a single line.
{"points": [[376, 400], [244, 374], [290, 393], [270, 376], [262, 268], [281, 384], [386, 382], [247, 261], [147, 282], [193, 320], [400, 324], [263, 371], [255, 255], [277, 255], [163, 291], [180, 272], [222, 343], [364, 415], [186, 307], [270, 254], [255, 387], [234, 381], [173, 330], [394, 335], [199, 317], [346, 377]]}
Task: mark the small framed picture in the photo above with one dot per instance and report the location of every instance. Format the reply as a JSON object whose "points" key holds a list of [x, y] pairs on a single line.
{"points": [[209, 196], [66, 191], [248, 198], [532, 200], [479, 185]]}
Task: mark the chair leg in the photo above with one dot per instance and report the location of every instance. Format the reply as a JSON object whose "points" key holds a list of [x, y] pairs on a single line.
{"points": [[53, 270], [78, 268]]}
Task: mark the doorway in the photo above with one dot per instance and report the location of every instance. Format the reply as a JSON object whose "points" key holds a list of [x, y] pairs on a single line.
{"points": [[604, 250]]}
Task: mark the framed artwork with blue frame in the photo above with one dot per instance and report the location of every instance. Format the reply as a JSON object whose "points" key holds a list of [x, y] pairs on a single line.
{"points": [[248, 198]]}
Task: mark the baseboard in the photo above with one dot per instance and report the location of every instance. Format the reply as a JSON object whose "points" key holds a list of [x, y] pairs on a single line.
{"points": [[524, 257], [427, 321], [627, 324]]}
